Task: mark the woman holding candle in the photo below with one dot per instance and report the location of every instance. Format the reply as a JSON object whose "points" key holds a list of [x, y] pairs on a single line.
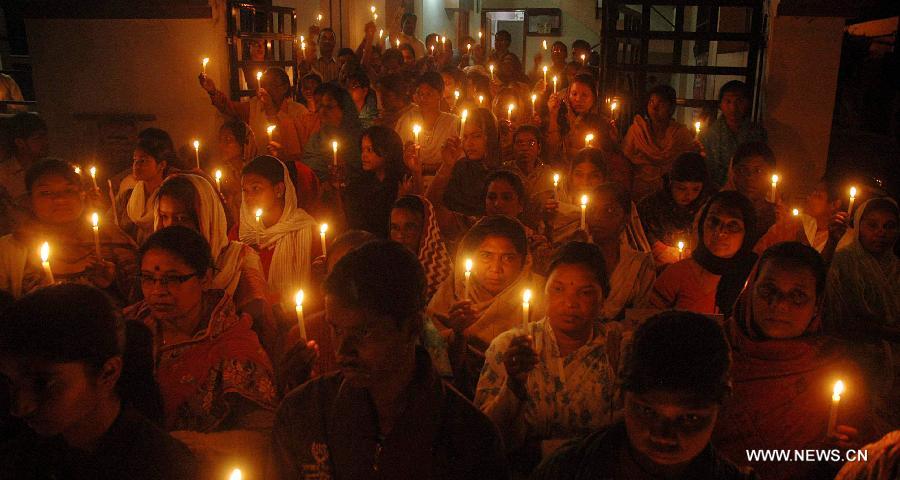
{"points": [[785, 369], [237, 146], [437, 126], [653, 143], [154, 158], [61, 218], [82, 381], [413, 223], [197, 333], [556, 378], [573, 113], [340, 122], [710, 280]]}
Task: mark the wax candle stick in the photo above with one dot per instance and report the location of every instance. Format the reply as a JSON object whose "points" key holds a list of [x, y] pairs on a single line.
{"points": [[236, 473], [680, 249], [218, 177], [468, 278], [544, 44], [45, 261], [203, 64], [197, 152], [554, 83], [259, 79], [462, 122], [480, 100], [852, 199], [491, 68], [556, 185], [95, 226], [588, 139], [533, 102], [93, 171], [334, 158], [416, 130], [697, 126], [509, 110], [774, 188], [835, 401], [584, 202], [112, 201], [259, 226], [322, 230], [269, 130], [544, 68], [526, 307], [301, 325]]}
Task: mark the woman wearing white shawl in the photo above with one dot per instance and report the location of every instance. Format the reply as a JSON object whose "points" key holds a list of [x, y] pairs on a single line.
{"points": [[283, 234], [153, 157]]}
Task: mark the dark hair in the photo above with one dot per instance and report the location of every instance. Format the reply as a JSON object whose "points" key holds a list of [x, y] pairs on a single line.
{"points": [[345, 51], [395, 84], [560, 44], [180, 188], [503, 33], [185, 243], [407, 16], [50, 166], [458, 76], [77, 323], [748, 150], [413, 203], [734, 203], [588, 81], [532, 129], [381, 276], [881, 204], [585, 254], [794, 255], [678, 351], [510, 177], [324, 30], [25, 124], [350, 115], [406, 46], [689, 167], [735, 86], [387, 144], [280, 74], [312, 76], [158, 144], [352, 239], [267, 167], [595, 157], [664, 92], [239, 129], [496, 226], [620, 194], [358, 77], [485, 119], [391, 54], [432, 79], [581, 44]]}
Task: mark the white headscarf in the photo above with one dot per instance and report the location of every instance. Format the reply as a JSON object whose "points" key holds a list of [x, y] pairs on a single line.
{"points": [[291, 237], [213, 225], [137, 209]]}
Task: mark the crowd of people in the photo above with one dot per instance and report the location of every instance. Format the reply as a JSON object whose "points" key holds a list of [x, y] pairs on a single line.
{"points": [[421, 261]]}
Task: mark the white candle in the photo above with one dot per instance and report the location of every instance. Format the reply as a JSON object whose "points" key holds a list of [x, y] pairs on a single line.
{"points": [[480, 100], [774, 188], [491, 68], [544, 44], [468, 278], [259, 226], [852, 199], [269, 130], [526, 307], [236, 473], [322, 229], [588, 139], [45, 261], [203, 64], [258, 79], [544, 68], [462, 122], [416, 130], [835, 401], [509, 110], [197, 152], [584, 201], [680, 249], [334, 150], [697, 126], [554, 84], [218, 176], [533, 101], [93, 171], [556, 185], [298, 300], [95, 226]]}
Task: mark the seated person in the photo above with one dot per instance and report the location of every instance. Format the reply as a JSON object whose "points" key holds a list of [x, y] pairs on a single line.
{"points": [[710, 280], [674, 378], [504, 194], [368, 199], [785, 369], [386, 413], [414, 225], [339, 123], [668, 215], [437, 126], [882, 461], [226, 409], [555, 378], [237, 146], [823, 219], [63, 355], [732, 128], [632, 272], [28, 143], [751, 175], [154, 158], [61, 218]]}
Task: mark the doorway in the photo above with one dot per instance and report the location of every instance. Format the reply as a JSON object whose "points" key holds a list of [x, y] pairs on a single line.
{"points": [[513, 21]]}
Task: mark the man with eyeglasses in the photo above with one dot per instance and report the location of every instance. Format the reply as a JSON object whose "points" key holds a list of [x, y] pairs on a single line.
{"points": [[527, 148], [386, 413]]}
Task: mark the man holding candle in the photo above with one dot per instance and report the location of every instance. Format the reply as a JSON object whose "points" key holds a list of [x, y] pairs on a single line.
{"points": [[386, 413], [732, 128], [436, 126]]}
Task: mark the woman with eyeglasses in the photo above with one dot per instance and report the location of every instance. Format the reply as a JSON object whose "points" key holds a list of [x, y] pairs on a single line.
{"points": [[784, 371], [216, 380], [61, 217], [710, 280]]}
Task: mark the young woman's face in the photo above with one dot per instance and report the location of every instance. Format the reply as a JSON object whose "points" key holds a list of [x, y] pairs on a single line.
{"points": [[171, 211], [330, 112], [753, 178], [260, 193], [228, 144], [449, 87], [497, 264], [878, 231], [406, 228], [668, 429], [502, 199], [723, 231], [474, 142], [56, 201], [585, 178], [145, 167], [659, 109], [817, 204], [605, 217], [427, 97], [574, 298], [684, 193], [784, 300], [172, 288], [371, 161], [307, 87], [581, 97]]}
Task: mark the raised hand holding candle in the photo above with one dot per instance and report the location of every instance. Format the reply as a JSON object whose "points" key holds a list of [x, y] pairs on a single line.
{"points": [[93, 171], [462, 122], [835, 401], [334, 150], [416, 130], [584, 202], [301, 325], [197, 152], [95, 226], [259, 225], [203, 64], [526, 307], [556, 185], [218, 176], [680, 250], [322, 230], [468, 278], [774, 188], [588, 139], [554, 83], [852, 199], [45, 261]]}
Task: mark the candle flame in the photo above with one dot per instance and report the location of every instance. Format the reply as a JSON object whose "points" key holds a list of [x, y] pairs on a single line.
{"points": [[510, 108], [443, 39], [852, 192], [554, 79], [302, 39], [372, 8], [680, 246], [236, 473], [374, 16], [544, 44], [323, 228], [270, 129], [491, 68], [205, 61], [398, 43], [95, 219], [533, 97], [417, 128], [468, 265], [45, 252], [479, 34], [697, 126], [582, 57], [480, 99], [93, 171], [298, 298], [456, 94], [381, 33], [319, 17], [838, 390], [196, 144], [259, 213], [334, 145], [555, 179], [218, 174], [78, 170], [588, 139], [584, 200], [795, 212], [465, 114], [526, 296], [258, 75], [468, 46], [544, 68], [613, 106], [774, 179]]}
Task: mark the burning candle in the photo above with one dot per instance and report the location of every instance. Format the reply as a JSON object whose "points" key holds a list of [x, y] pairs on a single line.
{"points": [[509, 110], [218, 176], [455, 97], [468, 49], [468, 278], [544, 68], [269, 130], [95, 226], [533, 101], [588, 139], [583, 60], [318, 19], [526, 307], [236, 473], [480, 100], [852, 199], [322, 230], [479, 35], [197, 152], [697, 126], [544, 44], [613, 106], [554, 84], [93, 171], [380, 33], [432, 48], [584, 201], [491, 68], [301, 325], [416, 129], [835, 401], [259, 225], [77, 170], [303, 49], [203, 64], [462, 122], [397, 41], [795, 212], [258, 79], [45, 261], [334, 151], [774, 188], [680, 249], [556, 185], [374, 17]]}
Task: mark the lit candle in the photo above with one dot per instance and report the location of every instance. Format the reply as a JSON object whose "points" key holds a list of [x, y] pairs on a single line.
{"points": [[398, 44], [774, 188], [613, 106], [93, 171], [479, 35], [583, 60], [197, 152], [680, 249], [509, 109], [302, 39], [95, 226], [380, 33], [258, 79], [372, 9], [443, 43], [322, 229], [77, 170], [455, 97], [835, 401], [334, 150], [584, 201], [374, 17], [259, 225], [526, 307], [533, 101], [468, 49], [318, 18], [697, 126], [795, 212], [432, 48], [468, 278], [588, 139], [544, 44], [491, 68], [544, 68], [303, 49], [852, 199], [554, 84], [298, 300], [236, 473], [416, 129], [218, 176], [462, 122], [556, 185], [480, 100], [269, 130], [45, 261], [203, 64]]}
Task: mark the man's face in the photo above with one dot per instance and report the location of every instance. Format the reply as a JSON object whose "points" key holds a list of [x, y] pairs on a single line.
{"points": [[734, 106], [668, 429], [327, 43], [409, 25], [501, 42], [526, 147]]}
